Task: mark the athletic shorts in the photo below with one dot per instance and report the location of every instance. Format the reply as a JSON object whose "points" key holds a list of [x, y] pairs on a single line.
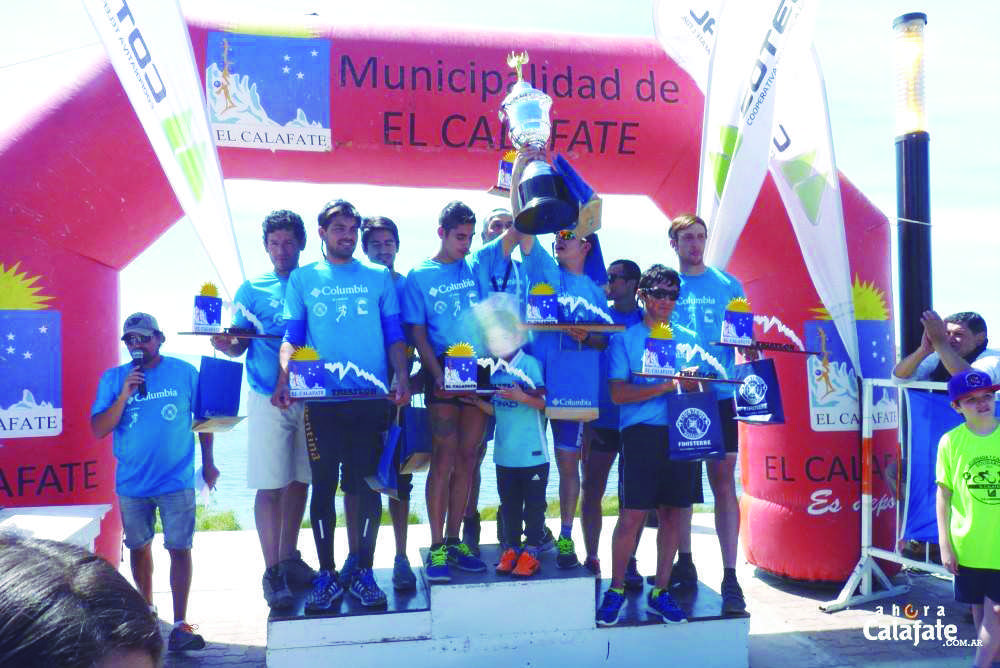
{"points": [[346, 436], [608, 440], [647, 478], [730, 428], [176, 516], [567, 434], [276, 444], [972, 585]]}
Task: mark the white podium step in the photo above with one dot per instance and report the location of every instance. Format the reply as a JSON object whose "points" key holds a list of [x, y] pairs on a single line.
{"points": [[483, 620]]}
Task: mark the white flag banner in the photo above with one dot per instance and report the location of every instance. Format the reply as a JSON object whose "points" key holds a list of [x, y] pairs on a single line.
{"points": [[149, 46], [753, 39], [803, 167], [801, 161]]}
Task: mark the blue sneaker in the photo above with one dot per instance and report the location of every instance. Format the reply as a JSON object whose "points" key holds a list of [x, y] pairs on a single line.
{"points": [[461, 557], [403, 578], [365, 589], [326, 591], [664, 606], [348, 571], [436, 569], [611, 607]]}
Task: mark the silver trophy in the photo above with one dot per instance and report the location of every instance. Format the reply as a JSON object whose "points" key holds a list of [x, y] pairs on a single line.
{"points": [[545, 204]]}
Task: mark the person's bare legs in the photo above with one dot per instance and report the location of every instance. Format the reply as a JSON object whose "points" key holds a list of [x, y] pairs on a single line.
{"points": [[596, 468], [471, 422], [180, 581], [293, 508], [266, 514], [141, 562], [722, 478], [623, 543], [568, 462], [399, 510], [667, 539], [444, 439], [989, 633]]}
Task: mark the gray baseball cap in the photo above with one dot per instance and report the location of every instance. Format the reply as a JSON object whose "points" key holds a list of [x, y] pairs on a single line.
{"points": [[140, 323]]}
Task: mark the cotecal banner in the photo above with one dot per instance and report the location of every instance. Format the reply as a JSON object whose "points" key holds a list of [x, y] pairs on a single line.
{"points": [[148, 44]]}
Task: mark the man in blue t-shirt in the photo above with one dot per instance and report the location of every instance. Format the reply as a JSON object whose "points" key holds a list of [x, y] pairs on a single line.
{"points": [[438, 303], [380, 243], [603, 438], [706, 291], [647, 478], [348, 313], [147, 404], [277, 462]]}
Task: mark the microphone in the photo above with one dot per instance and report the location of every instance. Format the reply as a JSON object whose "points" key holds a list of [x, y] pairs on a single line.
{"points": [[138, 357]]}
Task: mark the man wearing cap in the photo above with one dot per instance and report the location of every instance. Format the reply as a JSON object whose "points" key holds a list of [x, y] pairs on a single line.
{"points": [[277, 463], [948, 346], [968, 505], [147, 404]]}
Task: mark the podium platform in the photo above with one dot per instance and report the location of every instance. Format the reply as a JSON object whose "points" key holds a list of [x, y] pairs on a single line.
{"points": [[483, 620]]}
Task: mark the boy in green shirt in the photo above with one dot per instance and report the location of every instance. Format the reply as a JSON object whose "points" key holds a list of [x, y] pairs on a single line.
{"points": [[968, 505]]}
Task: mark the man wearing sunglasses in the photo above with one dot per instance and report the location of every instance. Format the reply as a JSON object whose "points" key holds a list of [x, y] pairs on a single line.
{"points": [[648, 479], [148, 404], [706, 292]]}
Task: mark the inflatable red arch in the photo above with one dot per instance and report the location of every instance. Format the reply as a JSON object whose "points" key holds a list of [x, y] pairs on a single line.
{"points": [[83, 195]]}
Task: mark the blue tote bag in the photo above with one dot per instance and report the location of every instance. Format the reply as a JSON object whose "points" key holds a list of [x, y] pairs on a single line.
{"points": [[758, 399], [572, 385], [386, 478], [695, 429]]}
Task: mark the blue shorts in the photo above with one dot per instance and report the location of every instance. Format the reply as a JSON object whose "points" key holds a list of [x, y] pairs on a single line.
{"points": [[176, 515], [972, 585], [567, 435]]}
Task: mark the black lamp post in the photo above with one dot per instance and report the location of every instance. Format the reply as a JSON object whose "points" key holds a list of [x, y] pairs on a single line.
{"points": [[913, 201]]}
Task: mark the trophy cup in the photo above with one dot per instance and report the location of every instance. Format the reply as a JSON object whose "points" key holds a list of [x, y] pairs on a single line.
{"points": [[545, 204]]}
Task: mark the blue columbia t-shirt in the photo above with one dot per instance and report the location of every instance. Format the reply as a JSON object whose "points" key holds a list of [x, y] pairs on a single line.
{"points": [[703, 301], [440, 297], [260, 304], [153, 442], [609, 417], [625, 360], [342, 307], [581, 300], [520, 432]]}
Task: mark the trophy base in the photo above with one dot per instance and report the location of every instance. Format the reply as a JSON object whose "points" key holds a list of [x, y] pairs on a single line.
{"points": [[546, 205]]}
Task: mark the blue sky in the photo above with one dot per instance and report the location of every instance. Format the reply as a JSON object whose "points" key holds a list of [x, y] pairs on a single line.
{"points": [[48, 38]]}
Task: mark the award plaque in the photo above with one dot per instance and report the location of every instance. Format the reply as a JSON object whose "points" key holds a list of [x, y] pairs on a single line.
{"points": [[737, 323], [660, 352], [460, 368], [306, 374], [208, 310]]}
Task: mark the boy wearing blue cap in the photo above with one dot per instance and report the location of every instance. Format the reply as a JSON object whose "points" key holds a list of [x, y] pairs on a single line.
{"points": [[968, 505]]}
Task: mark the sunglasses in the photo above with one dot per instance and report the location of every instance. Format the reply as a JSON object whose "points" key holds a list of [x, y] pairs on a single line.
{"points": [[663, 293], [565, 235], [131, 339]]}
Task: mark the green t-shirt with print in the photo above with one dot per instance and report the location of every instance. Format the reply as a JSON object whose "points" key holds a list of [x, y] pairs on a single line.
{"points": [[969, 465]]}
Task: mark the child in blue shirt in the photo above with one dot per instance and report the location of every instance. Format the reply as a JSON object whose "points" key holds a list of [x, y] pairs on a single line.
{"points": [[520, 452]]}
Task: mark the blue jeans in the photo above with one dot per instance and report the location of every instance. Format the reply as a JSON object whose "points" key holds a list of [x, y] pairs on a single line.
{"points": [[176, 515]]}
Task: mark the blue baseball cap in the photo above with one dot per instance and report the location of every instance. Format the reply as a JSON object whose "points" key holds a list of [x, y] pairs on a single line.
{"points": [[966, 382]]}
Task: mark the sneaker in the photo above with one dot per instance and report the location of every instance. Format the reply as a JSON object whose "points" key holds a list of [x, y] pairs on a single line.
{"points": [[733, 602], [276, 591], [470, 533], [548, 541], [348, 571], [593, 564], [461, 557], [297, 572], [507, 561], [183, 638], [403, 578], [664, 606], [326, 591], [436, 568], [611, 607], [365, 589], [633, 581], [527, 565], [684, 576], [566, 557]]}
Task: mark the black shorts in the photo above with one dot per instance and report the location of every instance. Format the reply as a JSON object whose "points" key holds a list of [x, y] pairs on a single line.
{"points": [[730, 428], [647, 478], [344, 437], [431, 395], [608, 440], [974, 584]]}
